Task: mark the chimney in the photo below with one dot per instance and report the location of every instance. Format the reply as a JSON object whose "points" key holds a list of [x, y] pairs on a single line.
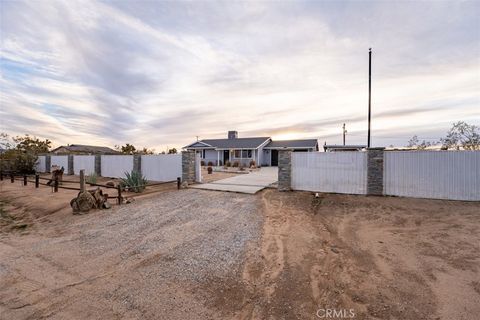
{"points": [[232, 134]]}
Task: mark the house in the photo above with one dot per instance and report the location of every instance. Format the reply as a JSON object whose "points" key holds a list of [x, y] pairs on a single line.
{"points": [[263, 150], [83, 149], [335, 148]]}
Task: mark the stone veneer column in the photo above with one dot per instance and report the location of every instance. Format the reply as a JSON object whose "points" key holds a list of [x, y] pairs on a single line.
{"points": [[48, 163], [70, 164], [137, 163], [375, 171], [188, 166], [284, 170], [98, 165]]}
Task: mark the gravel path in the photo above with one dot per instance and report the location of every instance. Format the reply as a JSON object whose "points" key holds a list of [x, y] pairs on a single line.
{"points": [[138, 260]]}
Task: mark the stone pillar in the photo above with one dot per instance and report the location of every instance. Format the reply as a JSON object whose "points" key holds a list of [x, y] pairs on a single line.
{"points": [[284, 170], [70, 164], [137, 163], [188, 166], [375, 171], [98, 165], [48, 163]]}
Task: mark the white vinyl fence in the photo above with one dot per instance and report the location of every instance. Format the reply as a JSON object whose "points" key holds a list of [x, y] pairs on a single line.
{"points": [[116, 166], [61, 161], [337, 172], [86, 163], [165, 167], [451, 175], [41, 165]]}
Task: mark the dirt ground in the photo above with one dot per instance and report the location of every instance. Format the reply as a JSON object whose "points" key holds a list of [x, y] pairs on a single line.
{"points": [[194, 254], [216, 175]]}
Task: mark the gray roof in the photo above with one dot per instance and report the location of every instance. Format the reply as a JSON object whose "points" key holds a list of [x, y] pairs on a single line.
{"points": [[80, 148], [305, 143], [237, 143]]}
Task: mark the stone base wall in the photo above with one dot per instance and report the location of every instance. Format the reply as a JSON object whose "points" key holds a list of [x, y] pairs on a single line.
{"points": [[284, 170], [137, 163], [70, 165], [375, 171], [48, 164], [98, 165], [188, 166]]}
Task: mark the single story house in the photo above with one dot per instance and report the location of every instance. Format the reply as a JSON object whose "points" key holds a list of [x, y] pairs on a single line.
{"points": [[263, 150], [83, 149]]}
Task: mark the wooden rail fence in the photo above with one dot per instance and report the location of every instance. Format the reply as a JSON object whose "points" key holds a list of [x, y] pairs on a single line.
{"points": [[55, 184]]}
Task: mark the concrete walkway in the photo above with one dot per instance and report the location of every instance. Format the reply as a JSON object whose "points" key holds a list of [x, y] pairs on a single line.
{"points": [[244, 183]]}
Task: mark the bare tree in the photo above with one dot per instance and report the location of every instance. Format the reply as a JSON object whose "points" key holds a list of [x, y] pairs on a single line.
{"points": [[462, 136], [415, 143]]}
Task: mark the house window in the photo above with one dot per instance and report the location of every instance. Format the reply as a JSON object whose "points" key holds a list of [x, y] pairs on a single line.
{"points": [[243, 154], [203, 154]]}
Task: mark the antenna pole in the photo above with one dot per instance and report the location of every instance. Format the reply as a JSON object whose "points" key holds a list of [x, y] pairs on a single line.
{"points": [[369, 94]]}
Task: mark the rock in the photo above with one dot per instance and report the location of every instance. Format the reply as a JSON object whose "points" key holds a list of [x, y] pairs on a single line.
{"points": [[110, 184], [106, 205], [98, 196], [83, 202], [129, 200]]}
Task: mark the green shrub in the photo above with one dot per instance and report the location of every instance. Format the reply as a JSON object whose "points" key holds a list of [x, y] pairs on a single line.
{"points": [[228, 164], [210, 163], [91, 178], [134, 181], [235, 164]]}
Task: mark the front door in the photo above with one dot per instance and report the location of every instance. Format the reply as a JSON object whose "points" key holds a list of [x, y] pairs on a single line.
{"points": [[226, 156], [274, 162]]}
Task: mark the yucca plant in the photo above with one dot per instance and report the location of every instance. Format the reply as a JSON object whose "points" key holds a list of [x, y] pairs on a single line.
{"points": [[134, 181]]}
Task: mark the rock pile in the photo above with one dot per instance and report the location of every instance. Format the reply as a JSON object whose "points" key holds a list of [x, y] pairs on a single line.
{"points": [[87, 200]]}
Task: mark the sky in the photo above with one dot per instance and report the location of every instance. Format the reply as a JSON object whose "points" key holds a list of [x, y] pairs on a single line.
{"points": [[158, 74]]}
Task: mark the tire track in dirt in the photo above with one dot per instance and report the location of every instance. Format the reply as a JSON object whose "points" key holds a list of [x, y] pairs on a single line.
{"points": [[289, 277]]}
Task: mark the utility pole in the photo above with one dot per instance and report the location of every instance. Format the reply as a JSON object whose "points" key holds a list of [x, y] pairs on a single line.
{"points": [[369, 93], [344, 133]]}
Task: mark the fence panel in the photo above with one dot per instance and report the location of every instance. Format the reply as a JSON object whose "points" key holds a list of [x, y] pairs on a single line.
{"points": [[116, 166], [165, 167], [61, 161], [86, 163], [337, 172], [41, 165], [453, 175]]}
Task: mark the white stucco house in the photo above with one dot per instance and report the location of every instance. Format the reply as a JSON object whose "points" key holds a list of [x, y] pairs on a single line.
{"points": [[261, 149]]}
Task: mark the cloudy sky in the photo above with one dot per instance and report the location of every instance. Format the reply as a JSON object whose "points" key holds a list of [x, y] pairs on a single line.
{"points": [[158, 74]]}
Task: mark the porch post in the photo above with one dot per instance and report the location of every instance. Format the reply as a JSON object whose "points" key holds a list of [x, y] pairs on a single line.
{"points": [[218, 158]]}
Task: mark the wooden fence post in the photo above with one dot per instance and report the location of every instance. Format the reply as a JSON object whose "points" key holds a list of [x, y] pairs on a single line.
{"points": [[37, 180], [55, 186], [179, 183], [82, 180], [24, 179], [119, 194], [1, 175], [12, 178]]}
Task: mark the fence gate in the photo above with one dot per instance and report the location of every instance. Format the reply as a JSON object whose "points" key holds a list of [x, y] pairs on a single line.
{"points": [[337, 172]]}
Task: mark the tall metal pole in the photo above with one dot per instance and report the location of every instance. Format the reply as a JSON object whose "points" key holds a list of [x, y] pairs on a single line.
{"points": [[369, 93], [344, 131]]}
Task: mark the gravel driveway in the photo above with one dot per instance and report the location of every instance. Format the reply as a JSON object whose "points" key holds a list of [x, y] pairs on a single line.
{"points": [[145, 259]]}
